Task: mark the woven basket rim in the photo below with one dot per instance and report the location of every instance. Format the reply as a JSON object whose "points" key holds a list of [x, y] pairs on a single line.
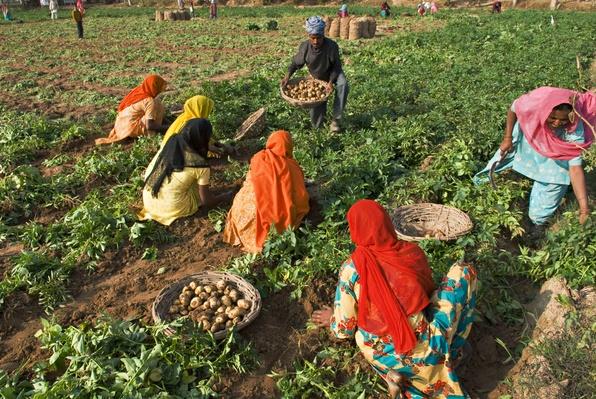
{"points": [[303, 104], [458, 222], [249, 123], [176, 287]]}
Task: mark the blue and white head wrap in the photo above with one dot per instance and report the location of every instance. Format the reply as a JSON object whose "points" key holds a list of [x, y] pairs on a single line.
{"points": [[315, 26]]}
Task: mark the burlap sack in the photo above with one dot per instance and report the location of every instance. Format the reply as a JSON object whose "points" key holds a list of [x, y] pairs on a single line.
{"points": [[357, 25], [334, 28], [344, 27], [169, 16], [372, 27], [327, 21], [158, 15]]}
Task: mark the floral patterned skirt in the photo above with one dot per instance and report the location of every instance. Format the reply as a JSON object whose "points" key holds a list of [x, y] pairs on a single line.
{"points": [[427, 371]]}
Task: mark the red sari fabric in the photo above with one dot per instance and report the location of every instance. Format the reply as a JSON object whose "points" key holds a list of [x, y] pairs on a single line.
{"points": [[152, 85], [395, 280]]}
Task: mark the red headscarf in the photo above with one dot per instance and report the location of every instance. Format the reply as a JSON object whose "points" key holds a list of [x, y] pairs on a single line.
{"points": [[151, 87], [278, 181], [532, 110], [395, 280]]}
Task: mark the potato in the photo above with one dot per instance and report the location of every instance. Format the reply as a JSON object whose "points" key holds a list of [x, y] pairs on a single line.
{"points": [[232, 314], [237, 320], [221, 319], [174, 309], [244, 303], [192, 285], [234, 295], [227, 289], [204, 306], [195, 303], [220, 310], [186, 289], [220, 285], [209, 289], [229, 324], [206, 324], [226, 300], [185, 301], [203, 296], [198, 290], [214, 303], [184, 312]]}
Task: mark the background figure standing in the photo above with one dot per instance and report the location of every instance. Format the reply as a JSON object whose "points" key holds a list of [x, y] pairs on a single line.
{"points": [[78, 18], [191, 8], [213, 9], [343, 11], [54, 9], [496, 7], [421, 10], [81, 7], [433, 8], [180, 4], [385, 10]]}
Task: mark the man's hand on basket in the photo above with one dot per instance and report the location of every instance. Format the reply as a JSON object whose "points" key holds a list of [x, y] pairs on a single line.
{"points": [[284, 81], [329, 87]]}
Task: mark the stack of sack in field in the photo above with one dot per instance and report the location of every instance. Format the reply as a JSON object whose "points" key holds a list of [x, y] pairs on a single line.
{"points": [[172, 15], [351, 28]]}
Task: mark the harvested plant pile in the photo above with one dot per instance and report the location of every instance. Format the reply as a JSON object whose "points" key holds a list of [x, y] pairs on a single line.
{"points": [[215, 307], [351, 28]]}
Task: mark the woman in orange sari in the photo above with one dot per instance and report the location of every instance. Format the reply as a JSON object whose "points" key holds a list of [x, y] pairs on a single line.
{"points": [[139, 112], [273, 194]]}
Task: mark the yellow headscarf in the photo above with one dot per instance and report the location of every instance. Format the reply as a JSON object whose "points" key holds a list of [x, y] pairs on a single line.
{"points": [[194, 107]]}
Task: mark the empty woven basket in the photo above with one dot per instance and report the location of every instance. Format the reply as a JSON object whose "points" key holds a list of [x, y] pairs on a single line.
{"points": [[167, 296], [430, 221], [253, 125]]}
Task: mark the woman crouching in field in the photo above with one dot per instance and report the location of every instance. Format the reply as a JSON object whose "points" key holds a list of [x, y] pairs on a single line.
{"points": [[139, 112], [273, 193], [410, 333], [177, 179], [547, 130]]}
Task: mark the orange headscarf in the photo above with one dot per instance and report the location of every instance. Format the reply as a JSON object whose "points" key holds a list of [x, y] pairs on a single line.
{"points": [[395, 280], [281, 196], [152, 85]]}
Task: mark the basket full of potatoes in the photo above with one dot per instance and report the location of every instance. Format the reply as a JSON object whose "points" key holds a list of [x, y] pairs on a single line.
{"points": [[215, 301], [305, 92]]}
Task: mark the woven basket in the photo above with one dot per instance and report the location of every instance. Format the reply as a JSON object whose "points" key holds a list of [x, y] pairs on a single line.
{"points": [[430, 221], [253, 126], [299, 103], [167, 296]]}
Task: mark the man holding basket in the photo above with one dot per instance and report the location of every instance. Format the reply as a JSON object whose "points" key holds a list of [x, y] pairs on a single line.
{"points": [[321, 56]]}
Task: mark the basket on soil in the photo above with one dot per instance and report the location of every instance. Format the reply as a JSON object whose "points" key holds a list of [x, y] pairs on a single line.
{"points": [[297, 93], [253, 126], [430, 221], [207, 298]]}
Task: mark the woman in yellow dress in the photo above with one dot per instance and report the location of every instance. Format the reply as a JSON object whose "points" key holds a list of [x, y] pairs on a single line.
{"points": [[273, 193], [139, 112], [194, 107], [177, 179]]}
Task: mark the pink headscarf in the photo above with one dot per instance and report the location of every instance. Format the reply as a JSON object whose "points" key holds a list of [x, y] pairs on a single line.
{"points": [[532, 110]]}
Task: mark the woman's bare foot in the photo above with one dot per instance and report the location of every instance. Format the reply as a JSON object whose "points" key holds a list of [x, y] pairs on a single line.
{"points": [[393, 379]]}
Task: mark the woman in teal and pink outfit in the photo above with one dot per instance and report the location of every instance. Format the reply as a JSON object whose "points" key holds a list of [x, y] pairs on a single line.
{"points": [[547, 130], [411, 332]]}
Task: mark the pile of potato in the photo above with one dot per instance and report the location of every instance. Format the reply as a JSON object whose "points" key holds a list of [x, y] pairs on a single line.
{"points": [[214, 307], [306, 90]]}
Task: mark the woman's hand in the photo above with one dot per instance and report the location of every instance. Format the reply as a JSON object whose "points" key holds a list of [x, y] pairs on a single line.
{"points": [[506, 145], [583, 216], [322, 317]]}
